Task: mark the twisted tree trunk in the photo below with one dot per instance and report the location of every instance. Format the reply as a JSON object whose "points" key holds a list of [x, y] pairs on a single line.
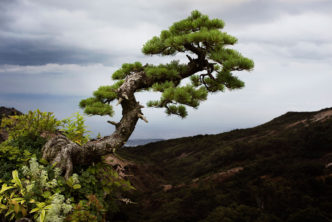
{"points": [[64, 153]]}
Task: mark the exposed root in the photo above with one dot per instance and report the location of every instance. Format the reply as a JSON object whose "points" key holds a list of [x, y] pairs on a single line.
{"points": [[141, 116], [60, 151]]}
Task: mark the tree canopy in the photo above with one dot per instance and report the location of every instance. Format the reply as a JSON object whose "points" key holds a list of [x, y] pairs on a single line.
{"points": [[210, 68]]}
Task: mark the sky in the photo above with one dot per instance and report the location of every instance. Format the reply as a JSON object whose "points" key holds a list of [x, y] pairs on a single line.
{"points": [[53, 53]]}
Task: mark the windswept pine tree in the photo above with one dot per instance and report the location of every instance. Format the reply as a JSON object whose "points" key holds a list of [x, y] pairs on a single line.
{"points": [[210, 68]]}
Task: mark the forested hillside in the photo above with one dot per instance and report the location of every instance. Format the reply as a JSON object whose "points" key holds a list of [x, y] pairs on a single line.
{"points": [[279, 171]]}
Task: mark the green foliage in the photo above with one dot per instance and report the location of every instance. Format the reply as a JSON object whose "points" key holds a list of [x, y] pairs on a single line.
{"points": [[98, 194], [17, 152], [127, 69], [100, 103], [25, 132], [11, 156], [92, 106], [170, 70], [74, 129], [36, 195], [32, 124], [105, 92], [186, 95], [25, 137], [39, 191], [198, 35], [231, 59], [43, 194], [195, 29]]}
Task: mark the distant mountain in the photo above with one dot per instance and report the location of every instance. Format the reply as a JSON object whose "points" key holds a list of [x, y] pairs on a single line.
{"points": [[139, 142], [278, 171]]}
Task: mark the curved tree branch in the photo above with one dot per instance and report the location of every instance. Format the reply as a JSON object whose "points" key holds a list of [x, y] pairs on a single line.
{"points": [[64, 153]]}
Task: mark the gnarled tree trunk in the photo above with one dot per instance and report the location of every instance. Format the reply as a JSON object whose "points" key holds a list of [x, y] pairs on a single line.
{"points": [[65, 153]]}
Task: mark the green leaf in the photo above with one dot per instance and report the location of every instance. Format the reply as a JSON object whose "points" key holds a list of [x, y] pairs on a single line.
{"points": [[5, 187], [34, 210], [43, 161], [46, 194], [17, 179], [9, 212], [41, 205], [42, 216], [77, 186]]}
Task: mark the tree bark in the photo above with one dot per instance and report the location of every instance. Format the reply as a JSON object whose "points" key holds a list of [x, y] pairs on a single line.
{"points": [[64, 153]]}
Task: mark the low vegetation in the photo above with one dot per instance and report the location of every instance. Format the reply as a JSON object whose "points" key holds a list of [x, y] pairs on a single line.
{"points": [[32, 188]]}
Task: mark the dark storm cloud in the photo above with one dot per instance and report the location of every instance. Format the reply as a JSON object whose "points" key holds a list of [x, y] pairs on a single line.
{"points": [[57, 49], [33, 33], [39, 52], [40, 32]]}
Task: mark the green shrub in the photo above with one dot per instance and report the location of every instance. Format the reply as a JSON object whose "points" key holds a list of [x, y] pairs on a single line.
{"points": [[43, 194], [40, 192], [32, 124], [74, 128], [36, 195], [11, 157]]}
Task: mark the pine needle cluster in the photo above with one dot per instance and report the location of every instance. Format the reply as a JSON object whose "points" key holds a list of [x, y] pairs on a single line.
{"points": [[210, 67]]}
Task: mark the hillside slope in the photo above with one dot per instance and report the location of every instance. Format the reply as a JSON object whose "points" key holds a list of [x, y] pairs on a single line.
{"points": [[278, 171], [5, 112]]}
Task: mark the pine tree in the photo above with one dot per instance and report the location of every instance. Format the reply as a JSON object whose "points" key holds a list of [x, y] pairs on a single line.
{"points": [[210, 68]]}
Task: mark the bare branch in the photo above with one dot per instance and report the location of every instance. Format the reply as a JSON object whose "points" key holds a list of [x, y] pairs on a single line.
{"points": [[141, 116], [119, 101], [113, 123], [125, 96], [190, 59]]}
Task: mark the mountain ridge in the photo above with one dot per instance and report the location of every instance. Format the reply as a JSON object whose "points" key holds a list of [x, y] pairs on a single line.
{"points": [[245, 173]]}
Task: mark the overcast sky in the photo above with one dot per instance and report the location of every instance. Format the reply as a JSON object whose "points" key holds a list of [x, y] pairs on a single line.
{"points": [[53, 53]]}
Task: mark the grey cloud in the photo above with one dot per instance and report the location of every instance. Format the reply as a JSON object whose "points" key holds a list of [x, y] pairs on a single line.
{"points": [[262, 11], [38, 52], [5, 15], [28, 35], [292, 68]]}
